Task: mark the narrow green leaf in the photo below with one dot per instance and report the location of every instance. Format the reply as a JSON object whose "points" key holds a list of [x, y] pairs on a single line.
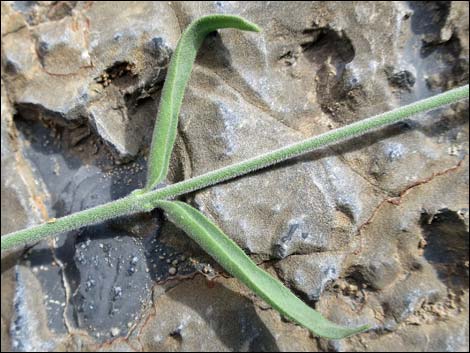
{"points": [[229, 255], [179, 71]]}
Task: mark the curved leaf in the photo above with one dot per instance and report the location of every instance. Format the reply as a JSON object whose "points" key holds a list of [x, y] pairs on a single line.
{"points": [[229, 255], [179, 71]]}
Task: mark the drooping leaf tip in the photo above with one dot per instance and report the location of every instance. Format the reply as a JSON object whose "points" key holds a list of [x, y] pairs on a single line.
{"points": [[362, 328], [342, 332], [256, 28]]}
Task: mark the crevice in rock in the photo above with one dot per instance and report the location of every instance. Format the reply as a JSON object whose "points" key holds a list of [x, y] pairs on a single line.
{"points": [[440, 50], [66, 286], [447, 247], [36, 12], [180, 14], [374, 185], [338, 91], [402, 79], [49, 133], [61, 9], [396, 201], [121, 74], [328, 44], [15, 31], [429, 17], [456, 70]]}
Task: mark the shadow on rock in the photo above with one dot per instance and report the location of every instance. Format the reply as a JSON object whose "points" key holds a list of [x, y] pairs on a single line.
{"points": [[215, 310]]}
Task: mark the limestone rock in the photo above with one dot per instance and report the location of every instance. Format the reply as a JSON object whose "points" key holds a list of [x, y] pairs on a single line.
{"points": [[371, 230]]}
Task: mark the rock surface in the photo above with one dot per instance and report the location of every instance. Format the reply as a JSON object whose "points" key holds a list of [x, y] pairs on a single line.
{"points": [[372, 230]]}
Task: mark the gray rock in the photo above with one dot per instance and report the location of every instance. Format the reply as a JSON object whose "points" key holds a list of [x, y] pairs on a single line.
{"points": [[288, 223], [63, 62], [378, 272], [90, 264], [28, 331], [373, 229], [217, 316], [311, 273], [23, 198], [21, 205], [62, 47], [409, 295], [20, 60]]}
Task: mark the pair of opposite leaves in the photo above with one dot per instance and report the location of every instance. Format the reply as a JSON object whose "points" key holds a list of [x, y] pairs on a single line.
{"points": [[218, 245]]}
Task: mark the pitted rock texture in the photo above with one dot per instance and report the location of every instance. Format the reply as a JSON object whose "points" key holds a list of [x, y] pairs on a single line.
{"points": [[372, 230], [94, 64]]}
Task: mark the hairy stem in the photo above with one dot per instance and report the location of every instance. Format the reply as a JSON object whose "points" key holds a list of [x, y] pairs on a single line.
{"points": [[141, 202], [284, 153]]}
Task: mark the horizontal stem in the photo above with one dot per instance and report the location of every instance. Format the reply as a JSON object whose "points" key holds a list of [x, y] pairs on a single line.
{"points": [[124, 206], [141, 202], [284, 153]]}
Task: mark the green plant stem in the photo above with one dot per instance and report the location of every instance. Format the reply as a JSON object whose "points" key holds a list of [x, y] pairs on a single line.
{"points": [[144, 202], [177, 77], [284, 153], [126, 205]]}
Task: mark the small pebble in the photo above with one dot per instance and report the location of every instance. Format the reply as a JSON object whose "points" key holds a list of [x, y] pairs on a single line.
{"points": [[422, 244], [117, 292], [132, 270], [115, 331], [172, 271]]}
